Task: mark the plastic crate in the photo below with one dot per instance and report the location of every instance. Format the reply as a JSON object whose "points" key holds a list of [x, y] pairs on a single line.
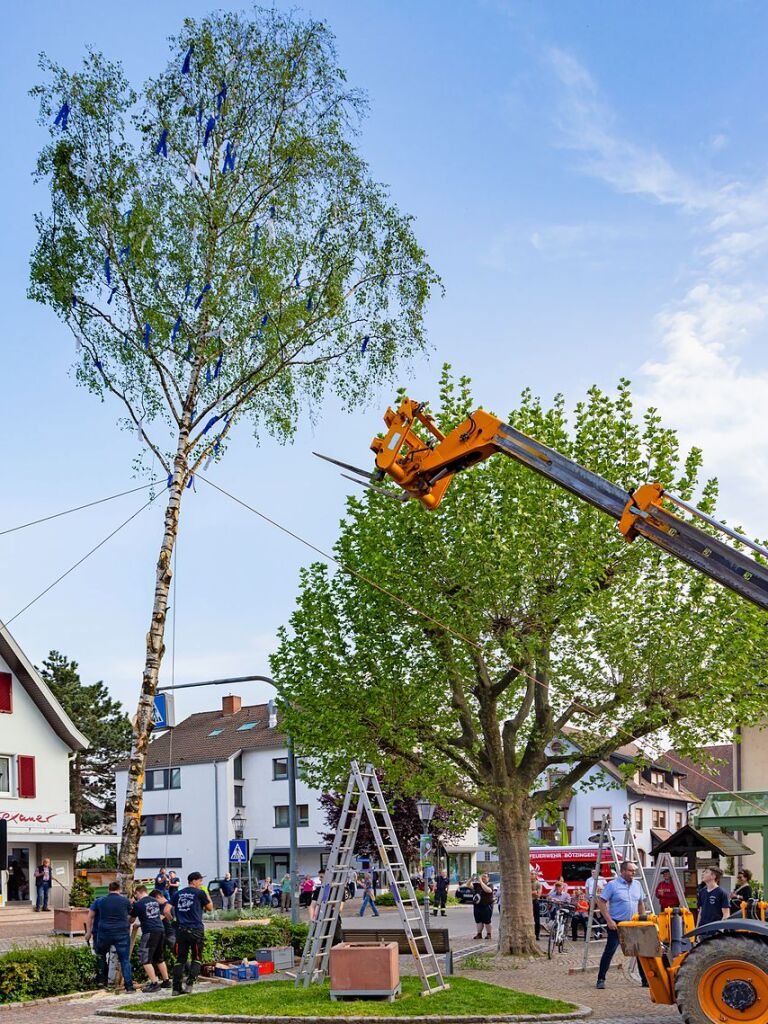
{"points": [[266, 967], [239, 972], [281, 956]]}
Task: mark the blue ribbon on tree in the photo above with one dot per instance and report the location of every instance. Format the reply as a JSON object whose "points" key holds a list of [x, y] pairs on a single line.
{"points": [[309, 304], [176, 329], [296, 280], [162, 145], [321, 234], [221, 95], [107, 271], [98, 364], [124, 253], [265, 320], [210, 423], [111, 296], [63, 116], [208, 377], [188, 353], [209, 130], [127, 215], [229, 159], [147, 335], [364, 345], [217, 368], [187, 59], [199, 298], [170, 481], [187, 288], [74, 300]]}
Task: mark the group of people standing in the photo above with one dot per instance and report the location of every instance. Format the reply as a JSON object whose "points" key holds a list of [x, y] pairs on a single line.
{"points": [[167, 917]]}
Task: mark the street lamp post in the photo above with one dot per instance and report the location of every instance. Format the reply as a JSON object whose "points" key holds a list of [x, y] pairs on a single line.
{"points": [[292, 821], [238, 828], [426, 813]]}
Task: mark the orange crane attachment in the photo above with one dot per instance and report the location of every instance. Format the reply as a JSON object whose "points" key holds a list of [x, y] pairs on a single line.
{"points": [[424, 468]]}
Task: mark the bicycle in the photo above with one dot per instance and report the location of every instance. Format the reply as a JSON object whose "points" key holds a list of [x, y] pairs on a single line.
{"points": [[558, 930]]}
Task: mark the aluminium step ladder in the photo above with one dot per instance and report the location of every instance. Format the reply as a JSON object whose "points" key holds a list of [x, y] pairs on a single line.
{"points": [[364, 797]]}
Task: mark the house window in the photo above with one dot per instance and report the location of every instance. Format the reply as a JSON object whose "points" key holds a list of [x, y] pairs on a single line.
{"points": [[237, 767], [25, 766], [246, 726], [657, 778], [638, 819], [279, 768], [161, 824], [281, 815], [641, 857], [6, 693], [163, 778], [239, 802], [678, 819], [598, 813], [659, 819], [5, 776], [676, 782]]}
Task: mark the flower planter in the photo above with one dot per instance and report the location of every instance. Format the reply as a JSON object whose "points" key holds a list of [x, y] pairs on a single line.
{"points": [[70, 920]]}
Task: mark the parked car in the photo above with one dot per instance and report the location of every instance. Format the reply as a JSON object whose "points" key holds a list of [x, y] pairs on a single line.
{"points": [[214, 891], [466, 894]]}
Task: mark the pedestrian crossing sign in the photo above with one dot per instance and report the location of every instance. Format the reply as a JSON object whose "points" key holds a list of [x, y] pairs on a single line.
{"points": [[238, 851]]}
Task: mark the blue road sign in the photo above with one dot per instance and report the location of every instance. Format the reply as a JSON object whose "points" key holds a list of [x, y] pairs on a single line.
{"points": [[163, 715], [238, 851]]}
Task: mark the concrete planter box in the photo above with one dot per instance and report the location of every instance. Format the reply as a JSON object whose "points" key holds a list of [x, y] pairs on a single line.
{"points": [[70, 920], [365, 969]]}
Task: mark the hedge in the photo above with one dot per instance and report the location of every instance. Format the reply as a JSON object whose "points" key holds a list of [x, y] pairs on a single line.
{"points": [[60, 970]]}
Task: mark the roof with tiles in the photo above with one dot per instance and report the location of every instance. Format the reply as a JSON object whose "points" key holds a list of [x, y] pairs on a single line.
{"points": [[214, 736]]}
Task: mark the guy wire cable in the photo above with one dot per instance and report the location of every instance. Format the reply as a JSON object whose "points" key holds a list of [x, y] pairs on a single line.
{"points": [[78, 508]]}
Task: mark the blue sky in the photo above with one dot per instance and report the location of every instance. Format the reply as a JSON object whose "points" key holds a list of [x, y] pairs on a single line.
{"points": [[590, 181]]}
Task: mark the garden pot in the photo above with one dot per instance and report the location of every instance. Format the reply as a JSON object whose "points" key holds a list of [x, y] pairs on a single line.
{"points": [[70, 920], [365, 969]]}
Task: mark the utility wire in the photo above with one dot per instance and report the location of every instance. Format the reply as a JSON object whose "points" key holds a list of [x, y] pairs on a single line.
{"points": [[81, 560], [396, 597], [78, 508]]}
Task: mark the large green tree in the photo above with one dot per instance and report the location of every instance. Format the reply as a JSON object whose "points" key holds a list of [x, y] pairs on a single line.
{"points": [[108, 729], [221, 253], [541, 619]]}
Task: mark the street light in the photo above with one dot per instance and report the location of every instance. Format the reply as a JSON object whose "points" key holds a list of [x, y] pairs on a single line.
{"points": [[238, 827], [426, 813]]}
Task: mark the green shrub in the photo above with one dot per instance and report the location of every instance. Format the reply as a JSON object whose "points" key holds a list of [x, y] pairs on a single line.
{"points": [[82, 893], [46, 971], [386, 899]]}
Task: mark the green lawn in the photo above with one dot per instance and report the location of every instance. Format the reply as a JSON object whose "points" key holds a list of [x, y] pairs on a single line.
{"points": [[283, 999]]}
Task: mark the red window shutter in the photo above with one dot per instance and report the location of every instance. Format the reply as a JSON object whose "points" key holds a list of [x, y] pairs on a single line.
{"points": [[6, 693], [26, 765]]}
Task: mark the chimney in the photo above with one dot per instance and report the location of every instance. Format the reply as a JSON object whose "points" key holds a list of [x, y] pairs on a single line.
{"points": [[230, 704]]}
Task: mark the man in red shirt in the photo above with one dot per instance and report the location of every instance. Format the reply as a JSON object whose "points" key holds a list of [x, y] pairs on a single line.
{"points": [[665, 891]]}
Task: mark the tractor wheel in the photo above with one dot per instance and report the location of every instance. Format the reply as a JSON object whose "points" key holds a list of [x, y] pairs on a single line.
{"points": [[724, 980]]}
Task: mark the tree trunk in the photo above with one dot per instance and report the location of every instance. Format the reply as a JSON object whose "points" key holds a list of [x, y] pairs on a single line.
{"points": [[142, 725], [516, 934]]}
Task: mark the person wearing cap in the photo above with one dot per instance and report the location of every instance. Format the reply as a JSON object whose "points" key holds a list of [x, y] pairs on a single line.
{"points": [[189, 904], [666, 893]]}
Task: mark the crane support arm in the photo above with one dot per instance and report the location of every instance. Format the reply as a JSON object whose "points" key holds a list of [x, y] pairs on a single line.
{"points": [[424, 470]]}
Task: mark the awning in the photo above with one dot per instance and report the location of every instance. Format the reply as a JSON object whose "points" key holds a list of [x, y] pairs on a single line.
{"points": [[61, 838], [714, 841], [659, 835]]}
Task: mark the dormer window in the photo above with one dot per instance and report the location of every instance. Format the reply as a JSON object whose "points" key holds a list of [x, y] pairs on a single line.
{"points": [[657, 778]]}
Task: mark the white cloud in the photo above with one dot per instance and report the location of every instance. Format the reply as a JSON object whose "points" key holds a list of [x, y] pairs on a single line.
{"points": [[705, 379]]}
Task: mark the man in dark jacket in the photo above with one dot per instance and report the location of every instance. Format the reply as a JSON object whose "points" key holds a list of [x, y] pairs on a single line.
{"points": [[43, 883], [111, 912], [441, 893], [189, 904]]}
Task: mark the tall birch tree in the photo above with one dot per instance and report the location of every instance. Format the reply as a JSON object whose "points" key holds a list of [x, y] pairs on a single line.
{"points": [[221, 253]]}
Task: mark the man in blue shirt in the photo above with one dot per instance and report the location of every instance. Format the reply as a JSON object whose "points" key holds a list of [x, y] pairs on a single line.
{"points": [[619, 901], [108, 922], [714, 903], [148, 914], [189, 904]]}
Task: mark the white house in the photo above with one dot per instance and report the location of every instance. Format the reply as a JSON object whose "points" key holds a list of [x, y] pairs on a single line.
{"points": [[203, 771], [215, 764], [654, 796], [36, 741]]}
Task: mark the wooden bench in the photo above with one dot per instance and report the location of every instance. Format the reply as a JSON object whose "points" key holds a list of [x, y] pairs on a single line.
{"points": [[441, 942]]}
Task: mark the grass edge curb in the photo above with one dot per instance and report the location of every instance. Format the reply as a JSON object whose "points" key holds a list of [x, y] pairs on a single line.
{"points": [[516, 1018]]}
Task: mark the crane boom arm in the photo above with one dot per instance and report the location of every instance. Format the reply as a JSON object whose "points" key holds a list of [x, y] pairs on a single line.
{"points": [[424, 471]]}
